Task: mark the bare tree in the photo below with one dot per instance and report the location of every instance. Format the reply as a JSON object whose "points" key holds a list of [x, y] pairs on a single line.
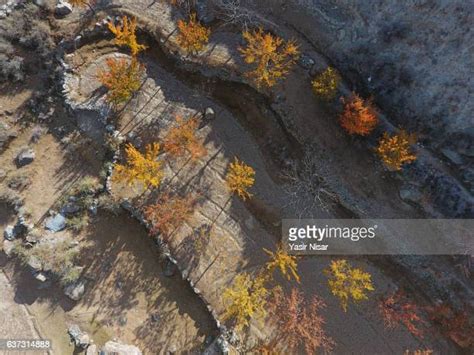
{"points": [[233, 12], [307, 186]]}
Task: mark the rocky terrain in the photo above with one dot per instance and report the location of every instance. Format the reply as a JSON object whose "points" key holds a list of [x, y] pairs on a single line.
{"points": [[59, 140]]}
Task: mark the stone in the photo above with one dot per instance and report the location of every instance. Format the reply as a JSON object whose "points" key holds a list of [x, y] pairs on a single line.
{"points": [[41, 277], [25, 157], [80, 338], [113, 347], [70, 208], [35, 264], [452, 156], [306, 61], [9, 233], [63, 8], [170, 269], [8, 247], [209, 114], [410, 194], [76, 290], [56, 223], [91, 350]]}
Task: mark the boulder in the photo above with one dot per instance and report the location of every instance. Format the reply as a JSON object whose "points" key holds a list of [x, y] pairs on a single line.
{"points": [[80, 338], [8, 247], [41, 277], [91, 350], [56, 223], [9, 233], [410, 194], [63, 8], [70, 208], [170, 269], [25, 157], [306, 61], [76, 290], [35, 264], [112, 347], [209, 114]]}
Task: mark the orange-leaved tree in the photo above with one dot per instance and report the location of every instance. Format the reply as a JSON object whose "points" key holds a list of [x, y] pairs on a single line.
{"points": [[169, 213], [192, 35], [396, 309], [143, 168], [125, 35], [359, 116], [270, 55], [245, 300], [347, 282], [299, 323], [282, 261], [240, 177], [182, 139], [395, 150], [325, 83], [122, 78], [82, 3]]}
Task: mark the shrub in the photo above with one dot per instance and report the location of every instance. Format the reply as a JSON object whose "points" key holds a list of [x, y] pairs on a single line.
{"points": [[78, 223], [396, 309], [144, 168], [299, 323], [348, 283], [359, 117], [192, 35], [245, 300], [169, 213], [325, 84], [182, 139], [125, 35], [282, 261], [395, 150], [271, 56], [122, 79], [239, 178]]}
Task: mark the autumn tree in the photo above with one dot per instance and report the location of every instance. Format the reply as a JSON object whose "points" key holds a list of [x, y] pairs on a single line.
{"points": [[182, 139], [359, 116], [169, 213], [245, 300], [240, 177], [144, 168], [419, 352], [325, 84], [271, 57], [125, 35], [456, 324], [395, 150], [346, 282], [192, 35], [83, 3], [282, 261], [299, 323], [396, 309], [122, 78]]}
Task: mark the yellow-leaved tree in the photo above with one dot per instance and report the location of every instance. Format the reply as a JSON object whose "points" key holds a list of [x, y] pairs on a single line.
{"points": [[395, 150], [325, 84], [192, 35], [143, 168], [245, 300], [182, 139], [282, 261], [240, 177], [271, 56], [346, 282], [122, 78], [125, 35]]}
